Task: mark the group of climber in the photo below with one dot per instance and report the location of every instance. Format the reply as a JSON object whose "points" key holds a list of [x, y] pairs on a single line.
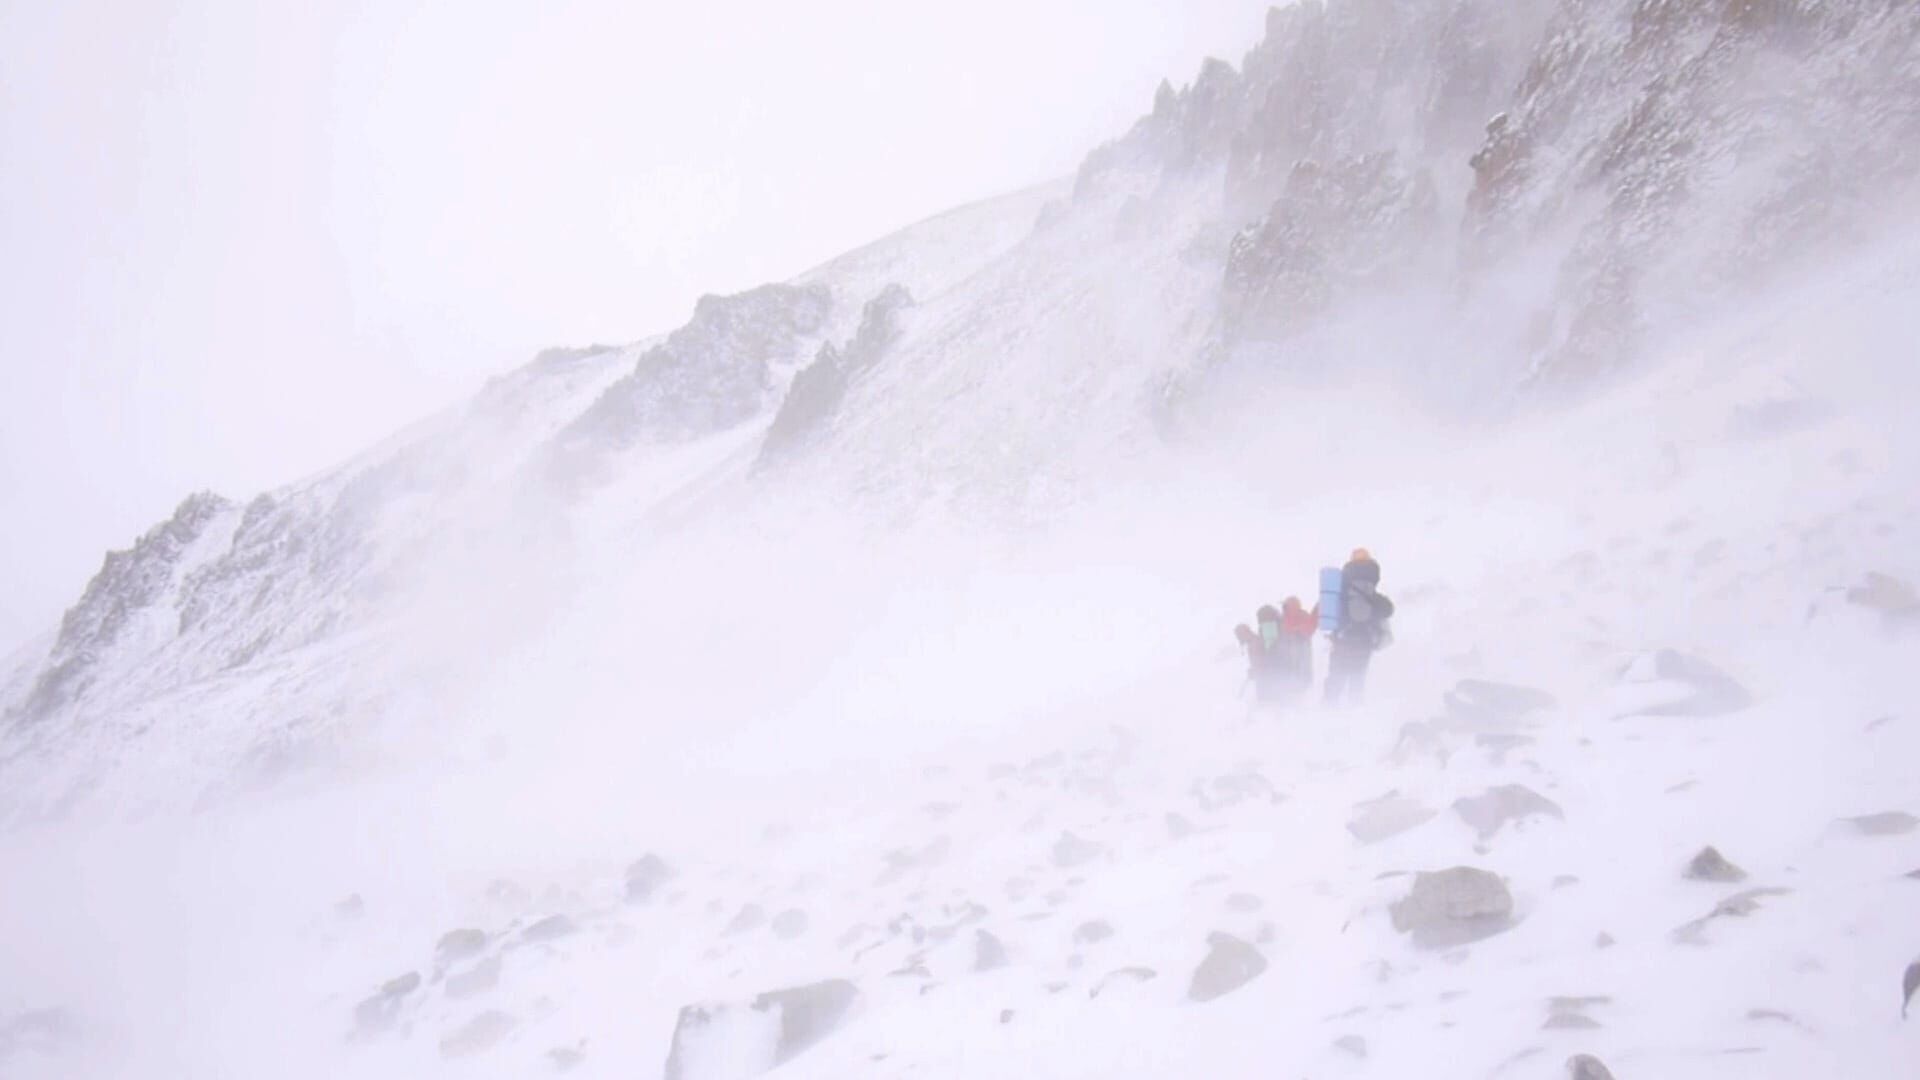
{"points": [[1280, 651]]}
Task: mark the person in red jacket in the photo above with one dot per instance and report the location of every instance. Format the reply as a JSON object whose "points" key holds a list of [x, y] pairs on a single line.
{"points": [[1297, 627], [1280, 653]]}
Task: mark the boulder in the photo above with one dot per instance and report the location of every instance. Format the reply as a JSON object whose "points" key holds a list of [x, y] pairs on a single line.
{"points": [[1453, 907], [1712, 866], [1587, 1067], [734, 1041], [1092, 932], [989, 953], [645, 877], [1494, 809], [1230, 964], [457, 945]]}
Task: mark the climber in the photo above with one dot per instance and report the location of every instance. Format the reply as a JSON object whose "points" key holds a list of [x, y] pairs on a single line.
{"points": [[1280, 653], [1297, 627], [1362, 629]]}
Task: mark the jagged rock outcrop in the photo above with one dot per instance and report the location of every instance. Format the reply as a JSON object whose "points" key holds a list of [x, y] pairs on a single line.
{"points": [[814, 397], [1647, 155], [1359, 223], [127, 589], [1753, 129], [711, 374]]}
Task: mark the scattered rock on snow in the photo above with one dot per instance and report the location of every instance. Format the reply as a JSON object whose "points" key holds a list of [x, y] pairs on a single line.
{"points": [[789, 924], [1492, 810], [1351, 1044], [1891, 823], [476, 1036], [1244, 903], [1909, 985], [1230, 963], [1454, 907], [1710, 865]]}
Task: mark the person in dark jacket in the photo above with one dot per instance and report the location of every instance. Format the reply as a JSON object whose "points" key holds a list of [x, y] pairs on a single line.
{"points": [[1362, 630]]}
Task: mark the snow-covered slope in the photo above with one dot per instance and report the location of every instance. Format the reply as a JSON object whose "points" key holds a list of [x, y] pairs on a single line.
{"points": [[839, 682], [995, 814]]}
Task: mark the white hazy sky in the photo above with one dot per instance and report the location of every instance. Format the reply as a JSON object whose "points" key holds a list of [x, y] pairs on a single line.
{"points": [[241, 239]]}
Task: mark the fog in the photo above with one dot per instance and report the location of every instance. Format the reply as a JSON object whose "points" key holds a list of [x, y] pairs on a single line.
{"points": [[585, 728], [242, 241]]}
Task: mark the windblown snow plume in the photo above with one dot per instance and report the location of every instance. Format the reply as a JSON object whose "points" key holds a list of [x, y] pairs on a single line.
{"points": [[843, 683]]}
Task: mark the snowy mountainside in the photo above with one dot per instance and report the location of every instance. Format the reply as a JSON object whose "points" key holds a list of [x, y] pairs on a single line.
{"points": [[840, 683], [276, 620], [1007, 814], [1460, 197]]}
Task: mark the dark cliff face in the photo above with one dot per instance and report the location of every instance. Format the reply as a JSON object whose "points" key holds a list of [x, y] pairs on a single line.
{"points": [[813, 400], [709, 375], [1644, 151]]}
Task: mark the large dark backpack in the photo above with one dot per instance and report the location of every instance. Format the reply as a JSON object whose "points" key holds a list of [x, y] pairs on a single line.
{"points": [[1364, 617]]}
